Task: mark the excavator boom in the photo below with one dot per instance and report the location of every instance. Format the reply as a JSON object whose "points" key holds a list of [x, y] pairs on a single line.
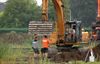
{"points": [[97, 27], [60, 17], [98, 12], [45, 10]]}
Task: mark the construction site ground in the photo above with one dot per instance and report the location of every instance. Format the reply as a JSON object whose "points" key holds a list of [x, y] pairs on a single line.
{"points": [[55, 57], [80, 54]]}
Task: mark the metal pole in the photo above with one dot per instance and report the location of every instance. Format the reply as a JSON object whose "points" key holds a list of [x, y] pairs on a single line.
{"points": [[70, 15]]}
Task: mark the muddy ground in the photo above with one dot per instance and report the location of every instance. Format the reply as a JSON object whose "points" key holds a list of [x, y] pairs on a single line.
{"points": [[73, 55]]}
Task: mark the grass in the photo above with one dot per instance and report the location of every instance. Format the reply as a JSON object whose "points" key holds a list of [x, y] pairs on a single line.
{"points": [[7, 51], [12, 52], [3, 49], [12, 44]]}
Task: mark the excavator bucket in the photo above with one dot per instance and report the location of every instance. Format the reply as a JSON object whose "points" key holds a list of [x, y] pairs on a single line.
{"points": [[40, 27]]}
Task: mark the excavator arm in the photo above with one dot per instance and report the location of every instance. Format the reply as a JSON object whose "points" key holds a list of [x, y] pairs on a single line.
{"points": [[59, 18], [45, 10], [97, 27], [98, 11], [59, 15]]}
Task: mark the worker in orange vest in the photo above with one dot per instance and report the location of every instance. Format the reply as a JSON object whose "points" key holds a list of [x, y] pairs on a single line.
{"points": [[45, 46]]}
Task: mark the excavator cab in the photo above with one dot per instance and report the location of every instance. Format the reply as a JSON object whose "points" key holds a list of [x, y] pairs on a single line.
{"points": [[73, 32]]}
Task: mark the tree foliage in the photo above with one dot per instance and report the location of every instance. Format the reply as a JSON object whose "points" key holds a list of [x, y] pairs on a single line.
{"points": [[84, 10], [52, 14], [67, 11], [18, 13], [51, 11]]}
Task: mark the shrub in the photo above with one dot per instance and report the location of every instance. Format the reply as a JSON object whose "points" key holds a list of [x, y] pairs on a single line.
{"points": [[3, 49]]}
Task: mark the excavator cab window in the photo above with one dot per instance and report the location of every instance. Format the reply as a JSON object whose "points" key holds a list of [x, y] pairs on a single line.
{"points": [[72, 32]]}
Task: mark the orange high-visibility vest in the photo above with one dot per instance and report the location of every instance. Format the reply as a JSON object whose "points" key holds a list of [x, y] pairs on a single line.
{"points": [[45, 43]]}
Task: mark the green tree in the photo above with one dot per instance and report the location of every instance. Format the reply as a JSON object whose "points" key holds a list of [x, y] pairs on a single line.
{"points": [[52, 14], [67, 10], [18, 13], [84, 10], [51, 11]]}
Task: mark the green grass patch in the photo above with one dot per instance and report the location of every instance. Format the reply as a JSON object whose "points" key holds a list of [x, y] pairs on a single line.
{"points": [[4, 47], [11, 51], [1, 14]]}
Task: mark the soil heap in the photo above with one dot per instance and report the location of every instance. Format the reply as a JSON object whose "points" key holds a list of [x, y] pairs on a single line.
{"points": [[74, 55]]}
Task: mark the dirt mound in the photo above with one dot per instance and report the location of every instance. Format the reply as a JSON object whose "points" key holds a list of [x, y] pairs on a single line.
{"points": [[96, 51], [68, 56], [75, 55]]}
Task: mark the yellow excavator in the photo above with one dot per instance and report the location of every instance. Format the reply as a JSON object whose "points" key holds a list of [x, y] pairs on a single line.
{"points": [[68, 33], [44, 10]]}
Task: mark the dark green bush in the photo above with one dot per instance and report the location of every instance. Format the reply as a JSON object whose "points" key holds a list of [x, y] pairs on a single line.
{"points": [[18, 30]]}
